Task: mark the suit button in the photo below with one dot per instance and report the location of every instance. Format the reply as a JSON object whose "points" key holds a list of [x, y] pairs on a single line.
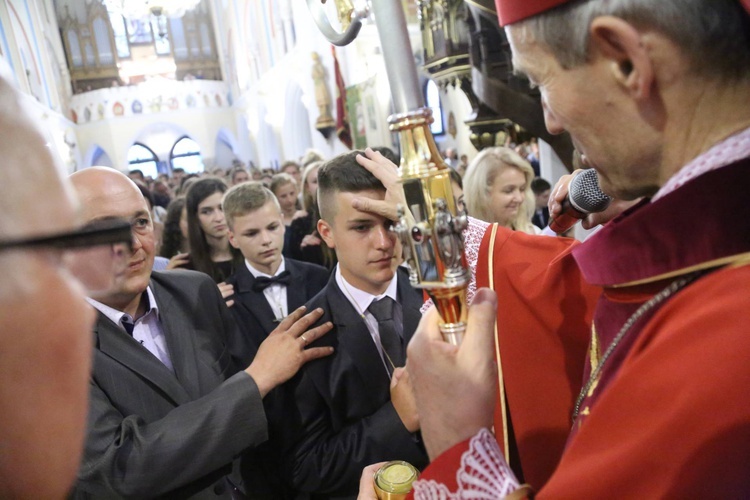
{"points": [[220, 488]]}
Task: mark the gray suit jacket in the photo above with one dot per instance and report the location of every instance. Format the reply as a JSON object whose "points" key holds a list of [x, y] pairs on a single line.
{"points": [[154, 433]]}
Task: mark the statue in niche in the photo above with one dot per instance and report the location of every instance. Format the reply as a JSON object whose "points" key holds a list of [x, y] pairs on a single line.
{"points": [[322, 95]]}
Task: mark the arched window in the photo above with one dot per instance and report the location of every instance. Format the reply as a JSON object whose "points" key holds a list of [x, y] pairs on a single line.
{"points": [[186, 154], [142, 158], [432, 97], [121, 35], [103, 44]]}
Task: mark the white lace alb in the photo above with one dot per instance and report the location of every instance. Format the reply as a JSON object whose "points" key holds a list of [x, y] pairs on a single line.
{"points": [[484, 474]]}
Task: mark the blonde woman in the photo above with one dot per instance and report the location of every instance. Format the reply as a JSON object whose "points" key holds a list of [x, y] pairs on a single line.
{"points": [[497, 189]]}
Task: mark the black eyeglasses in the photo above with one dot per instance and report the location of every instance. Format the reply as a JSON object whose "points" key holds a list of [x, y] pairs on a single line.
{"points": [[94, 255], [109, 232]]}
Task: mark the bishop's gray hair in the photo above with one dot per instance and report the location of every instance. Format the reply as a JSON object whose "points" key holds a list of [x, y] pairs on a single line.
{"points": [[714, 34]]}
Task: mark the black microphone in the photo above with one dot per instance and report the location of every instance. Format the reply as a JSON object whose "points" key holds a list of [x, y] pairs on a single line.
{"points": [[584, 197]]}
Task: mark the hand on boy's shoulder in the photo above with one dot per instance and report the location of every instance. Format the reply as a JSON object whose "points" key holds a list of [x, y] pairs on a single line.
{"points": [[227, 291]]}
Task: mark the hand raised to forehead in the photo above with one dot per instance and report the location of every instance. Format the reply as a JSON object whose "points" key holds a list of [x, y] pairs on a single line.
{"points": [[387, 173]]}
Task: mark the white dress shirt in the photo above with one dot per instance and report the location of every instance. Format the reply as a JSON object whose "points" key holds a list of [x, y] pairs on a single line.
{"points": [[276, 293], [147, 329]]}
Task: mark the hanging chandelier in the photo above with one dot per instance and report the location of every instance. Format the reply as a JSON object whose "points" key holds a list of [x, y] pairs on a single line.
{"points": [[141, 9]]}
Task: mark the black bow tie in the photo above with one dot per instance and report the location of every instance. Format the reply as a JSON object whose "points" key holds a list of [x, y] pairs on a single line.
{"points": [[263, 282]]}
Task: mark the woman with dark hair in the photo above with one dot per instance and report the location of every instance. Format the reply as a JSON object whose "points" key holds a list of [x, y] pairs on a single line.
{"points": [[210, 251], [174, 245], [305, 243]]}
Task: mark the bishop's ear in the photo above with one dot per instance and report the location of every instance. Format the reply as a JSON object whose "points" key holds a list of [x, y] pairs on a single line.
{"points": [[622, 45]]}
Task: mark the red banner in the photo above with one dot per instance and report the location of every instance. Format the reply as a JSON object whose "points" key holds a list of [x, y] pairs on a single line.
{"points": [[342, 118]]}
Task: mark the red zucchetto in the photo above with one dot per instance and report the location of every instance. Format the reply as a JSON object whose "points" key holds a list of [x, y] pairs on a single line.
{"points": [[512, 11]]}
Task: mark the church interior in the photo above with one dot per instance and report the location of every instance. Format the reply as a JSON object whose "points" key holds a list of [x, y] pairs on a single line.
{"points": [[210, 84]]}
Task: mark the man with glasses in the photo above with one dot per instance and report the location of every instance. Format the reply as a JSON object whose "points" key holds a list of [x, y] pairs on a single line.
{"points": [[168, 414], [45, 322]]}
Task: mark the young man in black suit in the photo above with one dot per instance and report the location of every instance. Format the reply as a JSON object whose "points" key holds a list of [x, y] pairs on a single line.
{"points": [[268, 287], [355, 408]]}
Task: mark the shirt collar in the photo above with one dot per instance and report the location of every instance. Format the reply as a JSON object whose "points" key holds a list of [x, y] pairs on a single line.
{"points": [[116, 316], [730, 150], [360, 299], [256, 273], [655, 241]]}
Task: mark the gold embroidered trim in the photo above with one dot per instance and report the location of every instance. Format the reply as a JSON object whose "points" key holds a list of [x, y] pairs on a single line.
{"points": [[501, 385], [733, 260], [595, 351]]}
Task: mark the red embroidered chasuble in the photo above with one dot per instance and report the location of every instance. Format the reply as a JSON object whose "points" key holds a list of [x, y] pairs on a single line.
{"points": [[669, 414]]}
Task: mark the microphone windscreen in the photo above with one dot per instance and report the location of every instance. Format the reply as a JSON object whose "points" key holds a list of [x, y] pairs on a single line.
{"points": [[584, 193]]}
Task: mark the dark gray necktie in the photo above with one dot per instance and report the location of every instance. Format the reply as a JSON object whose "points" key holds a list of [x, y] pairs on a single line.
{"points": [[129, 326], [390, 340]]}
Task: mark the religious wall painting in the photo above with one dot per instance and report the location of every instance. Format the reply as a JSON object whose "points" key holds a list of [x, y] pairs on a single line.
{"points": [[452, 124], [155, 104], [173, 104], [355, 109], [118, 109], [262, 22], [190, 101], [100, 111], [371, 113], [28, 47], [5, 50], [87, 114], [137, 107], [139, 31]]}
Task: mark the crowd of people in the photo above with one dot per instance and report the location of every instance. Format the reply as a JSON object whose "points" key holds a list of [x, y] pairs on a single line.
{"points": [[498, 186], [278, 350]]}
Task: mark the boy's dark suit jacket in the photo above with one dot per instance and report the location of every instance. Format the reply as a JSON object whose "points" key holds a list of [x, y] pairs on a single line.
{"points": [[255, 319], [339, 414], [252, 311], [154, 433]]}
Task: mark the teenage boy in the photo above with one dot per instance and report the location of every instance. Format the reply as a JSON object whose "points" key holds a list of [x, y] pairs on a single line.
{"points": [[357, 408], [268, 287]]}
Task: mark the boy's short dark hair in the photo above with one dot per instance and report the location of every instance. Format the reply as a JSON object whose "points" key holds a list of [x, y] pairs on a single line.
{"points": [[343, 174], [245, 198], [539, 185]]}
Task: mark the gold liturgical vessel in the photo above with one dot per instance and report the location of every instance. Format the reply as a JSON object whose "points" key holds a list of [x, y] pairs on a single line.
{"points": [[429, 226]]}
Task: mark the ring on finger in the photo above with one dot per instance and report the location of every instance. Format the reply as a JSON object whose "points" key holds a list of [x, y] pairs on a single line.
{"points": [[304, 340]]}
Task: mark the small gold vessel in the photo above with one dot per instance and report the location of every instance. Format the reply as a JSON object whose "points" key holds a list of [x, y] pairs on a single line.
{"points": [[393, 480]]}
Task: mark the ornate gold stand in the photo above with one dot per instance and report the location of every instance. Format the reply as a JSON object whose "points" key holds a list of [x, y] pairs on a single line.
{"points": [[430, 230]]}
